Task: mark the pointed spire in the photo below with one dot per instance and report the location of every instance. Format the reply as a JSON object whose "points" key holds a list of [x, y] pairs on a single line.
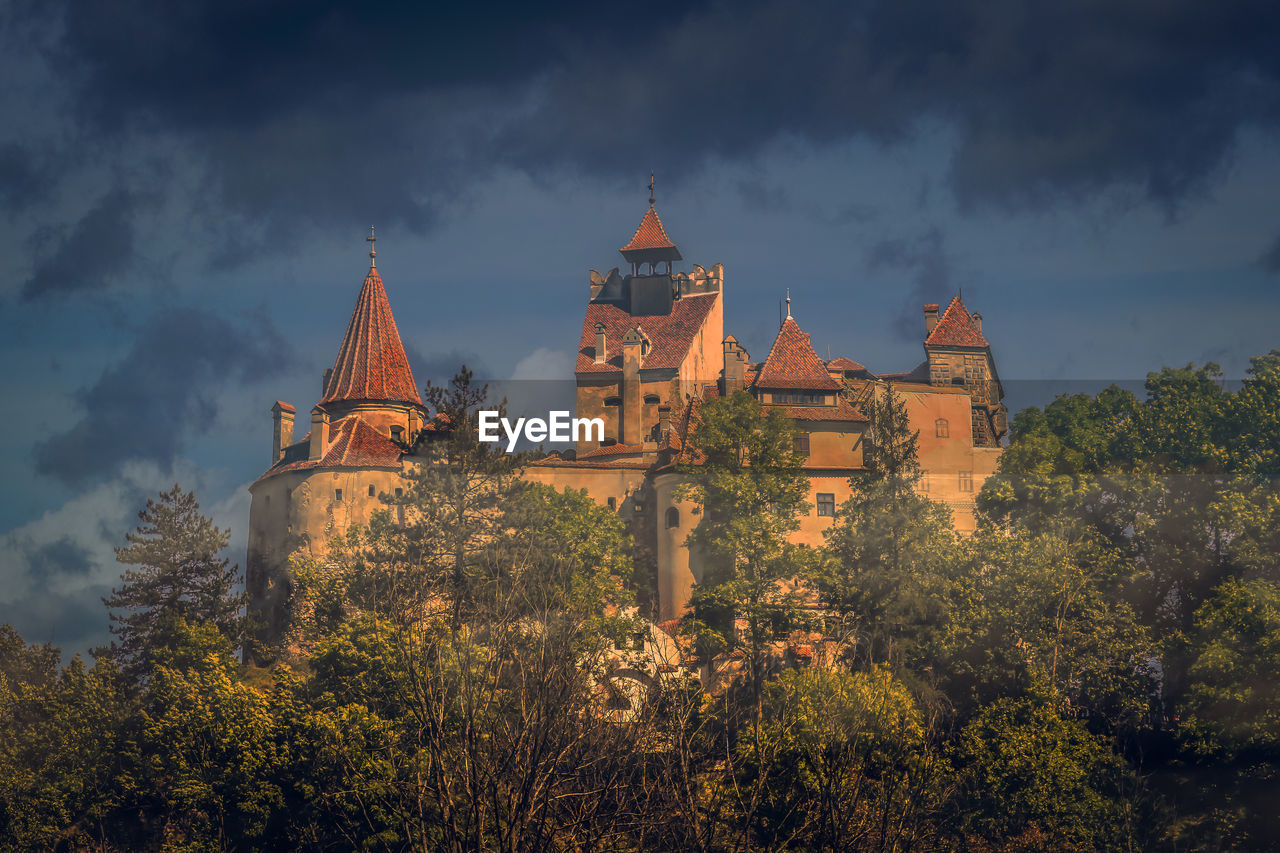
{"points": [[792, 363], [371, 363], [788, 303]]}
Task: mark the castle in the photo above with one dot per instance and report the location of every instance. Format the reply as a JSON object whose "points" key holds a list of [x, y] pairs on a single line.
{"points": [[652, 348]]}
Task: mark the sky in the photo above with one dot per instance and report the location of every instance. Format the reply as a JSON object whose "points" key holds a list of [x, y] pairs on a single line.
{"points": [[185, 189]]}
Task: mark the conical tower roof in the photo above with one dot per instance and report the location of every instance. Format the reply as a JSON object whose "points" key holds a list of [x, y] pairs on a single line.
{"points": [[372, 364]]}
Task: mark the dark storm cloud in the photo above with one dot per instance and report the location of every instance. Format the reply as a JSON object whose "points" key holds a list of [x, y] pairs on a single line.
{"points": [[161, 394], [925, 261], [335, 111], [90, 254], [1270, 259], [440, 367], [61, 557], [22, 177], [73, 620]]}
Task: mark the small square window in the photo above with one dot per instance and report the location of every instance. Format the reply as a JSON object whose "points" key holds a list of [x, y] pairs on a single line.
{"points": [[372, 491], [826, 504], [966, 481], [399, 493], [613, 503], [802, 444], [337, 495]]}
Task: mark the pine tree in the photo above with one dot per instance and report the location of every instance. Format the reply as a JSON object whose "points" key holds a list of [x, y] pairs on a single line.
{"points": [[178, 577], [889, 543], [751, 485], [457, 496]]}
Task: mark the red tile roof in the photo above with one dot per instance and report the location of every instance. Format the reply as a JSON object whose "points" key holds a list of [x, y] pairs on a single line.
{"points": [[650, 234], [612, 450], [670, 335], [792, 363], [352, 444], [372, 364], [843, 410], [843, 363], [284, 407], [956, 328]]}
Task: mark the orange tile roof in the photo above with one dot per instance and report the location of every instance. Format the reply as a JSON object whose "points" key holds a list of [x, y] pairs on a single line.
{"points": [[352, 444], [649, 235], [371, 363], [612, 450], [956, 328], [670, 335], [792, 363], [843, 410], [843, 363]]}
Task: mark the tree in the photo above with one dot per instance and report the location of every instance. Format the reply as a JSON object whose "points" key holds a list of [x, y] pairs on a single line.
{"points": [[456, 495], [751, 486], [178, 577], [887, 551], [1029, 777]]}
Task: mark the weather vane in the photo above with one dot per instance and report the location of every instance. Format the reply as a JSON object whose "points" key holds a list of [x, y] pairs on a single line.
{"points": [[373, 248], [788, 303], [651, 189]]}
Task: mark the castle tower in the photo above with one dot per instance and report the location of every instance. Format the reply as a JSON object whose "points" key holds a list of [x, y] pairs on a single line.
{"points": [[959, 355], [364, 427], [649, 339]]}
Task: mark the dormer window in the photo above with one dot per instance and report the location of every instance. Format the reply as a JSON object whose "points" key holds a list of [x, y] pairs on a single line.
{"points": [[396, 432]]}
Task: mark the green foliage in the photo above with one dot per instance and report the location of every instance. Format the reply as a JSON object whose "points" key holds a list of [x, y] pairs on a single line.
{"points": [[846, 761], [886, 574], [752, 488], [178, 577], [1038, 615], [1025, 770], [207, 746], [456, 497], [62, 736], [1095, 669], [1233, 704]]}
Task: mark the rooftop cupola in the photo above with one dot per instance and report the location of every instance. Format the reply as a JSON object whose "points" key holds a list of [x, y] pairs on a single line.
{"points": [[650, 244]]}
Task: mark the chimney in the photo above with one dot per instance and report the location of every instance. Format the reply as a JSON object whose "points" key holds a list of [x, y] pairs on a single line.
{"points": [[930, 317], [977, 322], [282, 429], [325, 389], [632, 399], [735, 366], [319, 433], [601, 353]]}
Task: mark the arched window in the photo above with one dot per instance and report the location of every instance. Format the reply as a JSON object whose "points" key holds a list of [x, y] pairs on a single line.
{"points": [[673, 517], [941, 428]]}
